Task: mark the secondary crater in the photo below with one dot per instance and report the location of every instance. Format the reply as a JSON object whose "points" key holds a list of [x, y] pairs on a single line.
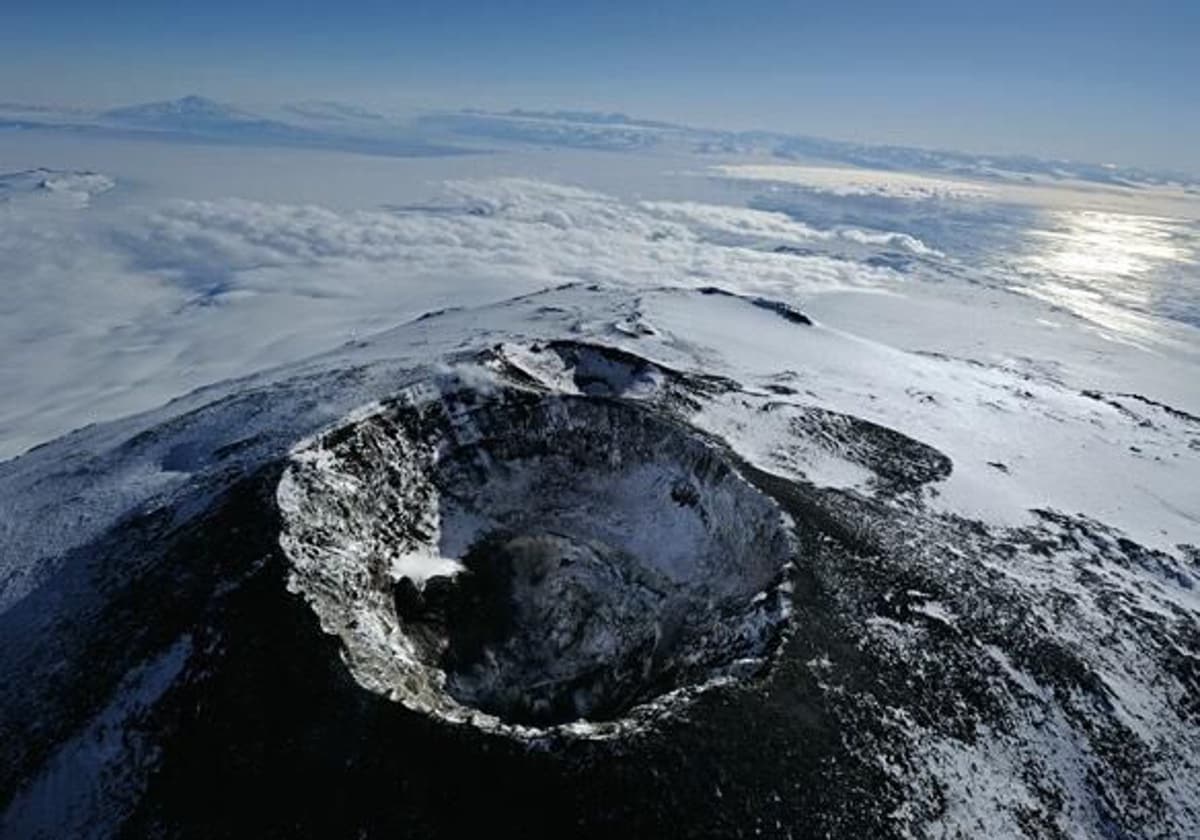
{"points": [[523, 561]]}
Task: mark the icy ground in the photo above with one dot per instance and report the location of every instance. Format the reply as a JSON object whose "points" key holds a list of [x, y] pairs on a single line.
{"points": [[993, 493]]}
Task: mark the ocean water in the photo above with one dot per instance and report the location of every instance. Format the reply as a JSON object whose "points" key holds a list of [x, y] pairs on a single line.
{"points": [[1133, 275], [1119, 269]]}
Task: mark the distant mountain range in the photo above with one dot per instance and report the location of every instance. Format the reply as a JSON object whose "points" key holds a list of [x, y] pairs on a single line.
{"points": [[196, 115], [617, 132], [188, 113], [197, 119], [340, 126]]}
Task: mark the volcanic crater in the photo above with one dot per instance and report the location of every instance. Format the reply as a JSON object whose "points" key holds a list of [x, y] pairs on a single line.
{"points": [[527, 561]]}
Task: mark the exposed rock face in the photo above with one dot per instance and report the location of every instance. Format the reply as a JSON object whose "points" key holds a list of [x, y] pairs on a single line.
{"points": [[523, 560], [624, 517]]}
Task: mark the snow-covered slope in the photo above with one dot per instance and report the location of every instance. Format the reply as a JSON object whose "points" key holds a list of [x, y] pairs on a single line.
{"points": [[68, 189], [688, 499], [977, 642]]}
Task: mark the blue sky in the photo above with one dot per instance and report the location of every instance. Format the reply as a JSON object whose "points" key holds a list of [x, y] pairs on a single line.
{"points": [[1098, 81]]}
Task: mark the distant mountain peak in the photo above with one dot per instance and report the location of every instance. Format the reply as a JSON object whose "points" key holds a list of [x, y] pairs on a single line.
{"points": [[192, 108], [195, 102]]}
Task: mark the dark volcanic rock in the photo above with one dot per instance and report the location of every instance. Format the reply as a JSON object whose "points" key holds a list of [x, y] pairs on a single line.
{"points": [[544, 598], [604, 562]]}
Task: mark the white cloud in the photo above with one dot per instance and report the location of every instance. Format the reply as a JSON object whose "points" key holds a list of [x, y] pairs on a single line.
{"points": [[512, 231], [768, 229], [843, 181], [111, 310]]}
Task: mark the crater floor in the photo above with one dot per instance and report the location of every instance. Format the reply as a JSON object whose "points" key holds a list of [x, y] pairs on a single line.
{"points": [[538, 558]]}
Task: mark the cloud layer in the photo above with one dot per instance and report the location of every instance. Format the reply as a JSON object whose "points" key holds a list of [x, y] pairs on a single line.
{"points": [[113, 310]]}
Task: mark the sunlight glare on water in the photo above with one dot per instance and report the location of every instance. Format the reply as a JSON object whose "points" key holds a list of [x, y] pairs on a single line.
{"points": [[1120, 271]]}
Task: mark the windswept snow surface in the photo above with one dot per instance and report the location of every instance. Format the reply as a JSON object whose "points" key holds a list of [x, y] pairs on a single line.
{"points": [[69, 189], [979, 415]]}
